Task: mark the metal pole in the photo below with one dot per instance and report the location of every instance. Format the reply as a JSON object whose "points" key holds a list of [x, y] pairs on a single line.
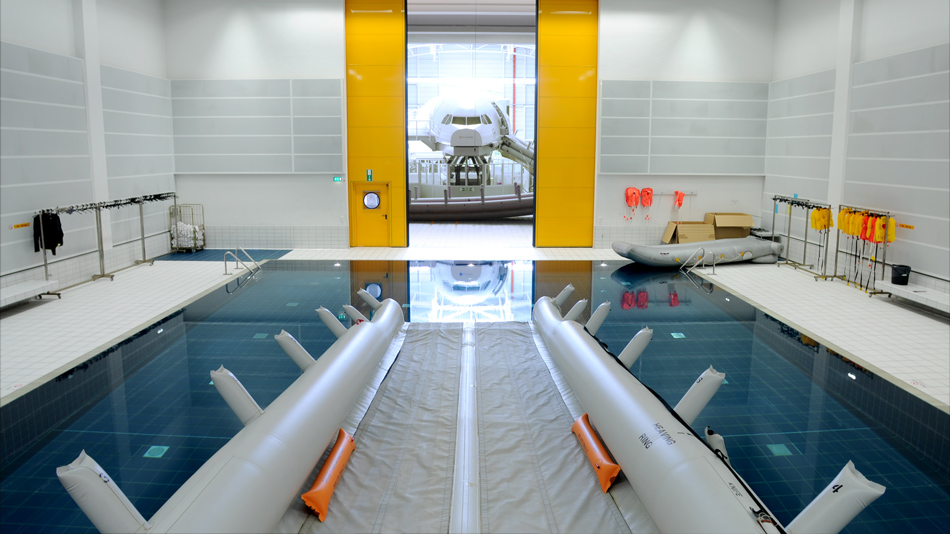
{"points": [[43, 247], [788, 233], [142, 227], [807, 219], [774, 211], [174, 229], [102, 260]]}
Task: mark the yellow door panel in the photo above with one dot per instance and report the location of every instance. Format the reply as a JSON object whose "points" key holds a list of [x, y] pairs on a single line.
{"points": [[564, 232], [383, 142], [384, 169], [567, 172], [566, 142], [375, 18], [369, 214], [555, 202], [376, 111], [375, 80], [568, 112], [374, 49], [580, 81], [567, 19], [560, 50]]}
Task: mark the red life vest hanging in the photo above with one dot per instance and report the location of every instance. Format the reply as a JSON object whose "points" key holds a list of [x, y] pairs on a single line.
{"points": [[674, 299], [633, 197], [646, 196], [628, 300], [678, 198], [643, 299]]}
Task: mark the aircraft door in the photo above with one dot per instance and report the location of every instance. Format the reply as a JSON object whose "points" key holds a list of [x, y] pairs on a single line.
{"points": [[370, 214]]}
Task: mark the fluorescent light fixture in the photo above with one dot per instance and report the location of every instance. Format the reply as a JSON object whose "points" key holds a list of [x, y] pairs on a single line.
{"points": [[336, 264], [160, 330], [371, 11], [602, 264], [570, 12], [852, 377], [727, 299]]}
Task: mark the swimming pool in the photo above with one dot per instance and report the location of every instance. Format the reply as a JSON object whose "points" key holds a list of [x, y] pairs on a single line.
{"points": [[790, 411]]}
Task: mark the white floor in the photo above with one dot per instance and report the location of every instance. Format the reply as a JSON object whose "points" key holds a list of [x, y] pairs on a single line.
{"points": [[40, 340]]}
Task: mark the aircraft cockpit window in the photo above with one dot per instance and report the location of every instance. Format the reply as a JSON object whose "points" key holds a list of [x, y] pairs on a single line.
{"points": [[466, 121], [447, 119], [485, 119]]}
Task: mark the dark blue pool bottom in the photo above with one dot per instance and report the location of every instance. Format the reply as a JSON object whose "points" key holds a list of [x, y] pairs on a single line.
{"points": [[769, 402]]}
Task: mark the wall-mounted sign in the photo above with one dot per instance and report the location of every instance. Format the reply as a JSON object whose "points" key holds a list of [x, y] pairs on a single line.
{"points": [[337, 178], [369, 175], [21, 225], [908, 226]]}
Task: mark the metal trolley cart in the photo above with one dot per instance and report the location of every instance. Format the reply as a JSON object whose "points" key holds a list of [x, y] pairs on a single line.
{"points": [[187, 223]]}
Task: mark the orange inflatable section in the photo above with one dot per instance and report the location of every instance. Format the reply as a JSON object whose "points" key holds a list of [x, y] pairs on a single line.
{"points": [[318, 498], [599, 458]]}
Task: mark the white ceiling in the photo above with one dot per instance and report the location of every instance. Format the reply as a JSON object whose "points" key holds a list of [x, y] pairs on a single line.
{"points": [[483, 21]]}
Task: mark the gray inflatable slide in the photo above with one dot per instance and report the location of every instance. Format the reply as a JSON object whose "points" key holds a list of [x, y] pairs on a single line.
{"points": [[718, 251]]}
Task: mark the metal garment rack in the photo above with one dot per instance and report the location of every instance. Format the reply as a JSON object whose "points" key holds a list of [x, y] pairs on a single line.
{"points": [[807, 205], [98, 207], [873, 259]]}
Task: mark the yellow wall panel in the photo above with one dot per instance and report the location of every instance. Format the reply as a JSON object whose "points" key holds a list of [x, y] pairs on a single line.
{"points": [[565, 232], [579, 50], [558, 202], [375, 18], [566, 123], [579, 80], [375, 49], [378, 110], [367, 142], [566, 142], [569, 172], [568, 20], [567, 112], [376, 80]]}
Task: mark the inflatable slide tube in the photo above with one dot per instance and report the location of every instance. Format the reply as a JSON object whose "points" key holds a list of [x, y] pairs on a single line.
{"points": [[318, 498], [249, 483], [683, 485], [295, 350], [99, 497], [723, 250], [600, 460], [835, 507]]}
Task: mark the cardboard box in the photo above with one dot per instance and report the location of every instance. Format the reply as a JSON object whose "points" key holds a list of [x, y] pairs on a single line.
{"points": [[730, 225], [688, 232]]}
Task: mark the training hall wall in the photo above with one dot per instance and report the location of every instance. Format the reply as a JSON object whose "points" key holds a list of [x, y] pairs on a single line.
{"points": [[240, 106]]}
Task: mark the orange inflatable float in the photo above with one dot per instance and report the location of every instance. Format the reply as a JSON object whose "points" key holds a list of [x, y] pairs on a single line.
{"points": [[599, 458], [318, 498]]}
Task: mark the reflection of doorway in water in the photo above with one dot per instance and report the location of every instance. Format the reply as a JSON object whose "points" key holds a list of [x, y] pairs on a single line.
{"points": [[470, 106], [482, 291]]}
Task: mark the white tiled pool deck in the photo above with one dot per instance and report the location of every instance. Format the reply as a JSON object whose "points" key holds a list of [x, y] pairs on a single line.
{"points": [[40, 340]]}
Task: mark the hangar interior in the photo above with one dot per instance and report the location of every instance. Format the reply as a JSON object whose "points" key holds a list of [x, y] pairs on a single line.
{"points": [[267, 125]]}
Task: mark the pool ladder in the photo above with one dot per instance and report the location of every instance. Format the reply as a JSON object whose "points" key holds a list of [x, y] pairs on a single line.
{"points": [[239, 263]]}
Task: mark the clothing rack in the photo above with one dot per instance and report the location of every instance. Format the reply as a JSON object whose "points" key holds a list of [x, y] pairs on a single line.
{"points": [[98, 207], [871, 213], [807, 205]]}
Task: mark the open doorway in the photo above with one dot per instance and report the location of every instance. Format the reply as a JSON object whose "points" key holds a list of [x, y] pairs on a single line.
{"points": [[470, 104]]}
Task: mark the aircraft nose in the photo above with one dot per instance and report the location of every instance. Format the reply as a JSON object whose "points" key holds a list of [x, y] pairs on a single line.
{"points": [[466, 137]]}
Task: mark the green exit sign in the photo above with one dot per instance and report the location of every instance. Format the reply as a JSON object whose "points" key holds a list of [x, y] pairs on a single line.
{"points": [[337, 178], [369, 175]]}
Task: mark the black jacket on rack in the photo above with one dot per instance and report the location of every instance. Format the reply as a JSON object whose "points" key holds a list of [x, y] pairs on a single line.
{"points": [[52, 233]]}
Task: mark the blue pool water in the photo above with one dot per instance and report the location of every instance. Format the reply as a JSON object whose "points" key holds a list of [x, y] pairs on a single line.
{"points": [[790, 413]]}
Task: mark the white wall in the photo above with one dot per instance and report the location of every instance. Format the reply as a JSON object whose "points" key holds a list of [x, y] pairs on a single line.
{"points": [[806, 36], [686, 40], [43, 24], [891, 27], [132, 35], [248, 39]]}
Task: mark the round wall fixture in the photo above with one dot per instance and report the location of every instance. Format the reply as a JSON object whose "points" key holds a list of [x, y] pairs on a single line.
{"points": [[371, 200], [375, 290]]}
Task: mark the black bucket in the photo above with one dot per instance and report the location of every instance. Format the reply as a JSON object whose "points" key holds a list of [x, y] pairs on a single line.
{"points": [[900, 274]]}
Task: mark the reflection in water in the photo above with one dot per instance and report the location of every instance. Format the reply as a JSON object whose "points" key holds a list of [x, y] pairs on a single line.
{"points": [[486, 291]]}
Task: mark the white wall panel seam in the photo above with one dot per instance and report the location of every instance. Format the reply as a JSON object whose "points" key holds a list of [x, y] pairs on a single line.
{"points": [[41, 103], [44, 76], [893, 80], [897, 106], [900, 132], [22, 129], [869, 158]]}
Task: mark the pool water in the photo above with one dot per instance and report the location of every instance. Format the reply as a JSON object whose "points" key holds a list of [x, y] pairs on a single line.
{"points": [[786, 411]]}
